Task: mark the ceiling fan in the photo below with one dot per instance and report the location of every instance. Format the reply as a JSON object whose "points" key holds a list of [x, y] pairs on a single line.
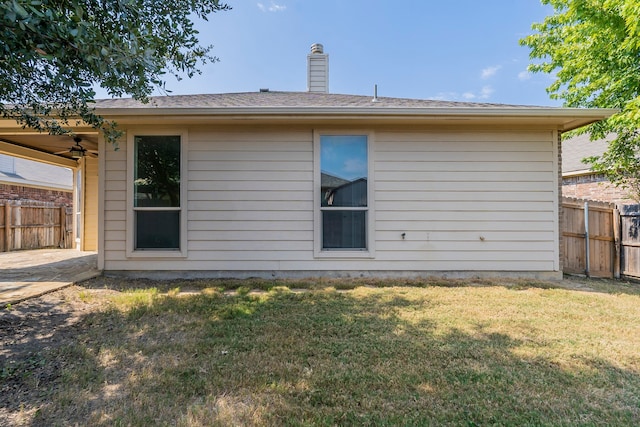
{"points": [[77, 151]]}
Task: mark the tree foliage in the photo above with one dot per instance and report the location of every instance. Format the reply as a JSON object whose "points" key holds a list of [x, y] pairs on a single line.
{"points": [[593, 47], [53, 51]]}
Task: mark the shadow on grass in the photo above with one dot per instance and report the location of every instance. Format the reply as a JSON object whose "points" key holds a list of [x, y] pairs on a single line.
{"points": [[314, 358]]}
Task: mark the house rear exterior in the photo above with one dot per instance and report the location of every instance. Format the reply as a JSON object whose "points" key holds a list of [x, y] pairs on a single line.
{"points": [[298, 184], [454, 189]]}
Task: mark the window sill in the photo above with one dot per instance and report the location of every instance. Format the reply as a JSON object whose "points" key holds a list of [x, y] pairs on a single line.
{"points": [[156, 254], [344, 254]]}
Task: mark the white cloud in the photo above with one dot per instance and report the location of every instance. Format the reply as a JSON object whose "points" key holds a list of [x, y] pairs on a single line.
{"points": [[273, 7], [277, 7], [486, 92], [524, 75], [445, 96], [490, 71]]}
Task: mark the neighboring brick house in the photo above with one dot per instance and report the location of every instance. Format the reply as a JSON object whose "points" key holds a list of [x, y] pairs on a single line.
{"points": [[22, 179], [578, 180]]}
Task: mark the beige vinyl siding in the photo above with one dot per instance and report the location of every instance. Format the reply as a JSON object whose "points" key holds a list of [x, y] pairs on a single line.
{"points": [[115, 207], [318, 73], [250, 196], [466, 201], [90, 208]]}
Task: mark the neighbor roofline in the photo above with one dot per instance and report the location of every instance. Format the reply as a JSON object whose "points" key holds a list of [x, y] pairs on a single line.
{"points": [[582, 172], [36, 184]]}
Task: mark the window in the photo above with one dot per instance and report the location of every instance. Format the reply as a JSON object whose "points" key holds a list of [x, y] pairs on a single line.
{"points": [[342, 201], [156, 219]]}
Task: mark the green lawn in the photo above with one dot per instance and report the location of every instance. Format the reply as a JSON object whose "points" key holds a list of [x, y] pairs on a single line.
{"points": [[467, 355]]}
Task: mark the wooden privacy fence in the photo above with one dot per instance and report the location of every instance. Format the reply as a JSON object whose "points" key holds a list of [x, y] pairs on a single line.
{"points": [[613, 236], [35, 225], [630, 240], [593, 249]]}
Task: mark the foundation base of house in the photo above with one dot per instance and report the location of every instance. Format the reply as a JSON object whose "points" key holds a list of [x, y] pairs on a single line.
{"points": [[331, 274]]}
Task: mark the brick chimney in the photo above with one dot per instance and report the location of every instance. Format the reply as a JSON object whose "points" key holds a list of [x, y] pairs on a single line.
{"points": [[318, 70]]}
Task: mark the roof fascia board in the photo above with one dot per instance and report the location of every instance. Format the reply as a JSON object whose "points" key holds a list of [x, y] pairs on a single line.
{"points": [[565, 118], [582, 172], [378, 111]]}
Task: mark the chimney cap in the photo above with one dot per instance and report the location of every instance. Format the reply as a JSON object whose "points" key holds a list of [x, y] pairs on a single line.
{"points": [[317, 48]]}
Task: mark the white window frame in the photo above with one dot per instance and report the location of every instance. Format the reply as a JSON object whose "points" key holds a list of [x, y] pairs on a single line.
{"points": [[318, 252], [131, 252]]}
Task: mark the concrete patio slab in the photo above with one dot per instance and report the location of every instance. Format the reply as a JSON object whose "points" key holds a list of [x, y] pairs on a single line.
{"points": [[28, 274]]}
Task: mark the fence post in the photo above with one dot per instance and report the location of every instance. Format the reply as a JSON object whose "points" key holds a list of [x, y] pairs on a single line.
{"points": [[63, 231], [616, 244], [586, 239], [17, 234], [7, 227]]}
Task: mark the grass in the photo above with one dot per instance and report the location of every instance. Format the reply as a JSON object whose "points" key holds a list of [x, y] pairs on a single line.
{"points": [[461, 354]]}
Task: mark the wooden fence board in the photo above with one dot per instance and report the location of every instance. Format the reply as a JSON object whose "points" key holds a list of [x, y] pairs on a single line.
{"points": [[35, 225], [4, 237], [630, 240], [601, 234], [614, 239], [573, 239]]}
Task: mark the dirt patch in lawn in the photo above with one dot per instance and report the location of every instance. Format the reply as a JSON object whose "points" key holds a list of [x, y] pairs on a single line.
{"points": [[28, 331]]}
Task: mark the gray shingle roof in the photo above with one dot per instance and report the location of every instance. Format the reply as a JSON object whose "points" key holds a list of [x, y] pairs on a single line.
{"points": [[27, 172], [577, 148], [289, 99]]}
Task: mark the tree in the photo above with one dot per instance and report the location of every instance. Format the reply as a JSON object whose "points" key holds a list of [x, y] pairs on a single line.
{"points": [[53, 51], [593, 46]]}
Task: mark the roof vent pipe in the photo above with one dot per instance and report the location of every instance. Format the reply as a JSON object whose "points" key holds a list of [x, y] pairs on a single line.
{"points": [[317, 70]]}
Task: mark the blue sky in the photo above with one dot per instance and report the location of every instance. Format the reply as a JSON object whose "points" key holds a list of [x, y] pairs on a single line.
{"points": [[462, 50]]}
